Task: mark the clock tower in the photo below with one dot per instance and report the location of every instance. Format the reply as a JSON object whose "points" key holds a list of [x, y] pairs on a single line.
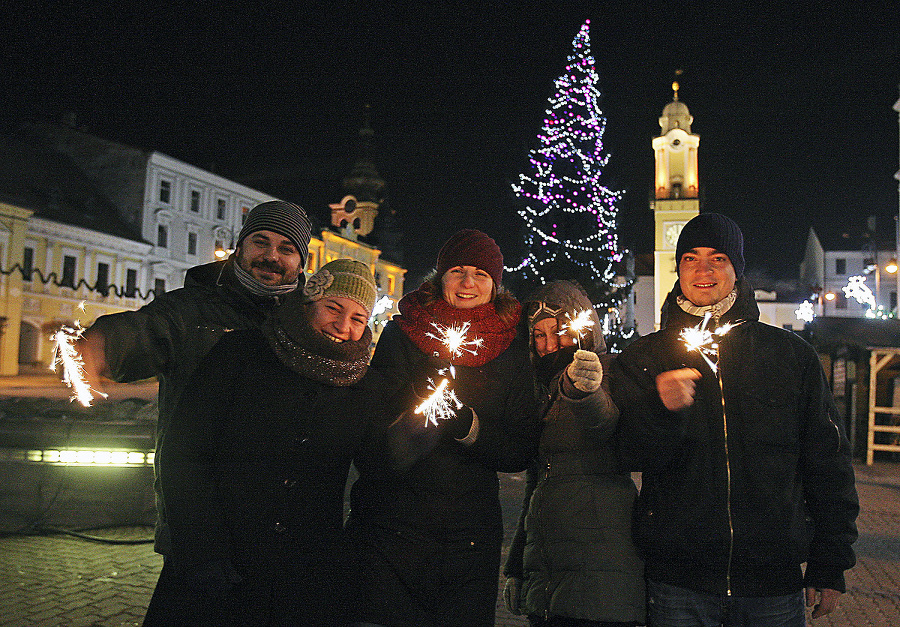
{"points": [[676, 196]]}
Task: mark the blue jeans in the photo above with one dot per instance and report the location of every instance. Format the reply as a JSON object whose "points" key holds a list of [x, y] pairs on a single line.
{"points": [[671, 606]]}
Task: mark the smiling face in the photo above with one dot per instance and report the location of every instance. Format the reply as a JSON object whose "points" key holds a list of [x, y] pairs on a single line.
{"points": [[705, 275], [465, 287], [339, 318], [270, 258], [547, 339]]}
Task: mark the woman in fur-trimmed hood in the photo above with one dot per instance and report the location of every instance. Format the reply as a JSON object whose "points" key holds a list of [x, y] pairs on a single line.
{"points": [[577, 560]]}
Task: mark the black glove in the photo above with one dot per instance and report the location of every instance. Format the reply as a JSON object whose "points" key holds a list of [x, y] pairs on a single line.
{"points": [[460, 424], [213, 576]]}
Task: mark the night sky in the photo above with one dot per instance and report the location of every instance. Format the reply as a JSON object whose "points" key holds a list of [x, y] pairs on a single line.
{"points": [[792, 104]]}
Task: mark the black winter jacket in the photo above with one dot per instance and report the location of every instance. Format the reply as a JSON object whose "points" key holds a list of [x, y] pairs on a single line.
{"points": [[168, 337], [253, 470], [430, 535], [753, 479]]}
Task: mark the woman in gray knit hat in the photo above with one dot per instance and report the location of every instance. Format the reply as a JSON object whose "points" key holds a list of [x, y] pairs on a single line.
{"points": [[254, 466]]}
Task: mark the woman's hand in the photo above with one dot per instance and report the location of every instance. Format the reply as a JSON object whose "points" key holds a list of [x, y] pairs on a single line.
{"points": [[586, 371]]}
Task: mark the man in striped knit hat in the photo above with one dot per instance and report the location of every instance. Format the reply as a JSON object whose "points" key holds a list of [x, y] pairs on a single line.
{"points": [[168, 337]]}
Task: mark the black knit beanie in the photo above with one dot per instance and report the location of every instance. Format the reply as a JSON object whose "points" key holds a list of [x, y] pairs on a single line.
{"points": [[284, 218], [713, 230]]}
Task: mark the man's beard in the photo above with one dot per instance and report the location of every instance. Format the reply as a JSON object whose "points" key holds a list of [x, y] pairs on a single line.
{"points": [[270, 266]]}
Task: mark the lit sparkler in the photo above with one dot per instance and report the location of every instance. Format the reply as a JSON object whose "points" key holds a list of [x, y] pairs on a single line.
{"points": [[441, 405], [67, 358], [454, 338], [578, 325], [702, 340]]}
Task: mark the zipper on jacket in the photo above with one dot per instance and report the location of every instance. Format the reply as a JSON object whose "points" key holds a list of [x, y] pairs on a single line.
{"points": [[727, 483]]}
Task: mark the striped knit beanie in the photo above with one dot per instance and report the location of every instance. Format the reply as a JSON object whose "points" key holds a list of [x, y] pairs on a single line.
{"points": [[343, 277], [284, 218]]}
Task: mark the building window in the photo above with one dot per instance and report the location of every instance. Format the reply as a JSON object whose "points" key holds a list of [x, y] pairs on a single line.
{"points": [[130, 282], [27, 263], [165, 191], [68, 271], [159, 287], [244, 212], [192, 244], [840, 301], [102, 284], [311, 261], [195, 201], [220, 209], [840, 266], [392, 283], [162, 236]]}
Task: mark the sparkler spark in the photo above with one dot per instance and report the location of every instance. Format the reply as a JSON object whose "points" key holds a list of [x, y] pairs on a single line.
{"points": [[441, 405], [454, 338], [66, 357], [578, 325], [702, 340]]}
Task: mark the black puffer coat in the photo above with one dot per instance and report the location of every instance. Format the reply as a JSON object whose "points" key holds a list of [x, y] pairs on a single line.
{"points": [[750, 481], [573, 548], [253, 470]]}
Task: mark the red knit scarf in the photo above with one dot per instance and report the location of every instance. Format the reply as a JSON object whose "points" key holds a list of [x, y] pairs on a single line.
{"points": [[417, 320]]}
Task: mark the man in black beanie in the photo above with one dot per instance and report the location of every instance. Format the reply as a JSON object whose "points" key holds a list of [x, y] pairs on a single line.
{"points": [[747, 472], [168, 337]]}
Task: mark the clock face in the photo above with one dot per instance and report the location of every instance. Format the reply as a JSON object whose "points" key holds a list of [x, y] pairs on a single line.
{"points": [[672, 233]]}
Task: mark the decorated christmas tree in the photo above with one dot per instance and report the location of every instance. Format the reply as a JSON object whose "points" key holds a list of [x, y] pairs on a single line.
{"points": [[569, 215]]}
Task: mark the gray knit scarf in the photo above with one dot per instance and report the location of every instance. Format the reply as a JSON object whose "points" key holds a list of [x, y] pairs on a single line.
{"points": [[260, 289], [717, 309], [309, 353]]}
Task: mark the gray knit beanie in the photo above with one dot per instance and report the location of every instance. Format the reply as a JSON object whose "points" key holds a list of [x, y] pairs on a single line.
{"points": [[713, 230], [284, 218]]}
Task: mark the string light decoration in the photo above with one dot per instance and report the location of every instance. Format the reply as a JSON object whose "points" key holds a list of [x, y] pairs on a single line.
{"points": [[32, 274], [568, 215]]}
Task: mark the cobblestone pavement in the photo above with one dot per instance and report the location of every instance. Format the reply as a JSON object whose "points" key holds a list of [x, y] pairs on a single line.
{"points": [[60, 580]]}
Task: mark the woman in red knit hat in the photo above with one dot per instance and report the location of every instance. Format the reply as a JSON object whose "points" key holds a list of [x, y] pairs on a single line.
{"points": [[428, 529]]}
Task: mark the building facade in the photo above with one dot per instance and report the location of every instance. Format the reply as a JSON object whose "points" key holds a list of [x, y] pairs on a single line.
{"points": [[90, 227]]}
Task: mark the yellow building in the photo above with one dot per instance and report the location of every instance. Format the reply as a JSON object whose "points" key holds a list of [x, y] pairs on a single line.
{"points": [[69, 255], [676, 196]]}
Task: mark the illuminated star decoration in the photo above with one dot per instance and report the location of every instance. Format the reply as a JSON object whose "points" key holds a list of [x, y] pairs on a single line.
{"points": [[857, 288], [454, 338], [805, 311], [702, 340], [67, 358], [441, 405], [578, 324]]}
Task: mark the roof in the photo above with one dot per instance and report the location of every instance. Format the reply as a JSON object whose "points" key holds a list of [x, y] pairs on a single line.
{"points": [[861, 332], [46, 182]]}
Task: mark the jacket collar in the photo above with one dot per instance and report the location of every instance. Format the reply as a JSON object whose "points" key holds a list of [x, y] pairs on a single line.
{"points": [[744, 308]]}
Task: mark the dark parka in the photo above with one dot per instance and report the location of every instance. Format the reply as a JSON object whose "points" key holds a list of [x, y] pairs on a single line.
{"points": [[754, 478], [253, 471], [168, 337], [573, 549], [430, 536]]}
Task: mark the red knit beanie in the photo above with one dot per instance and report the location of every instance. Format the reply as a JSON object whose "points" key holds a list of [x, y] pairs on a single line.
{"points": [[470, 247]]}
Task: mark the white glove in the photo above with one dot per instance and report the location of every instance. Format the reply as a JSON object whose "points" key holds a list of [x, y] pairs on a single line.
{"points": [[586, 371]]}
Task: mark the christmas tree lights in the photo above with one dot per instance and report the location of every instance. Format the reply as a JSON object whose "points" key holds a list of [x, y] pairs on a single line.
{"points": [[568, 214]]}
